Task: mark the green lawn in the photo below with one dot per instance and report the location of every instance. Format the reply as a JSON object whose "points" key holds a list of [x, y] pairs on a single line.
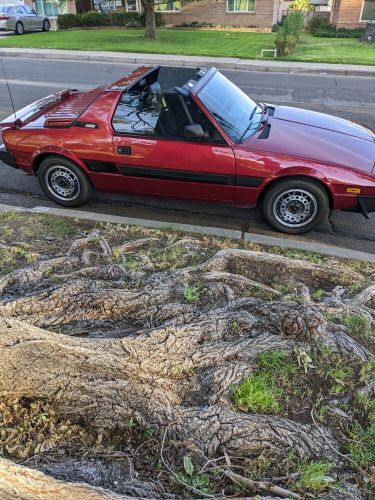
{"points": [[246, 45]]}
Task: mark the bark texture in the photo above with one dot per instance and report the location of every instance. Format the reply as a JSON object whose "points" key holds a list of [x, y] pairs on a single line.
{"points": [[21, 483], [149, 8]]}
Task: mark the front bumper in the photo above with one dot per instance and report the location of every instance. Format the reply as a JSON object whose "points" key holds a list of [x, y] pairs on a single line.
{"points": [[366, 205], [7, 157]]}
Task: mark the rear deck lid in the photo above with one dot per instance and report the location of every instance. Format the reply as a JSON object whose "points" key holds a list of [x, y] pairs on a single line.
{"points": [[58, 110]]}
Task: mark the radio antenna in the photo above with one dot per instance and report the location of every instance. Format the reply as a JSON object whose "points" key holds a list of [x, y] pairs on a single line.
{"points": [[7, 84]]}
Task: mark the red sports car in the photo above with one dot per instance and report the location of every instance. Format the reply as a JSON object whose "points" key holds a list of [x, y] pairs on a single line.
{"points": [[195, 135]]}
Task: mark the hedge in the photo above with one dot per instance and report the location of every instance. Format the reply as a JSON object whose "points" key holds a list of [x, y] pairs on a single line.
{"points": [[94, 18], [340, 33], [321, 27]]}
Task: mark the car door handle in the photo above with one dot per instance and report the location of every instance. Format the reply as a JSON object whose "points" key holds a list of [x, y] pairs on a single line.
{"points": [[124, 150]]}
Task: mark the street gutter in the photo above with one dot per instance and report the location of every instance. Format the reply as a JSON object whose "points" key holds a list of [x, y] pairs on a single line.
{"points": [[268, 66], [282, 242]]}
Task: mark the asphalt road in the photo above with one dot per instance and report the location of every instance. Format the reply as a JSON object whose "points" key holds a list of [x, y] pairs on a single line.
{"points": [[352, 98]]}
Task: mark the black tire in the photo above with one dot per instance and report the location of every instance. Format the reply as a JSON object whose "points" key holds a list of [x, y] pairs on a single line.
{"points": [[295, 205], [20, 30], [64, 182], [46, 25]]}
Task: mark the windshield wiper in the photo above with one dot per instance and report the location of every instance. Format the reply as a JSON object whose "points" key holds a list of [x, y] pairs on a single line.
{"points": [[249, 126], [224, 123], [264, 113]]}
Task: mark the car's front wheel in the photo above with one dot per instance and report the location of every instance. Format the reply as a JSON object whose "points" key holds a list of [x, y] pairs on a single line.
{"points": [[20, 30], [64, 182], [295, 205], [46, 25]]}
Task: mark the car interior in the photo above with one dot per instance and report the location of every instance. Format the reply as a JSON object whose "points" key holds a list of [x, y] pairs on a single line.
{"points": [[160, 105]]}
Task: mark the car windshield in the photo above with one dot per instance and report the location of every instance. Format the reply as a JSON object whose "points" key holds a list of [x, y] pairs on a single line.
{"points": [[4, 9], [239, 115]]}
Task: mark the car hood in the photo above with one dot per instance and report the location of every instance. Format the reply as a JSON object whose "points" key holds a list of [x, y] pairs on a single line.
{"points": [[326, 138]]}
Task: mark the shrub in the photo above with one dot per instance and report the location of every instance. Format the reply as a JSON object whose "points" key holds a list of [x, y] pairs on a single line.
{"points": [[289, 34], [159, 20], [127, 19], [66, 21], [293, 25], [285, 44], [94, 18], [321, 27], [318, 23], [340, 33]]}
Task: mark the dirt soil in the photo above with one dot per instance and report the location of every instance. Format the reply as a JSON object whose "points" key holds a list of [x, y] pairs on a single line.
{"points": [[139, 363]]}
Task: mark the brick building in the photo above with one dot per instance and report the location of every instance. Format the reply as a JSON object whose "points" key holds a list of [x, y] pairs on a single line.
{"points": [[352, 13], [246, 13]]}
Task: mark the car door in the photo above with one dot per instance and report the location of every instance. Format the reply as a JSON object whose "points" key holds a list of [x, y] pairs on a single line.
{"points": [[156, 158], [33, 21], [24, 18]]}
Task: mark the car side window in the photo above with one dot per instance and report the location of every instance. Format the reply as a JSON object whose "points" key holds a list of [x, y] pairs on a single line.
{"points": [[29, 10], [198, 117], [135, 114], [161, 115], [20, 11]]}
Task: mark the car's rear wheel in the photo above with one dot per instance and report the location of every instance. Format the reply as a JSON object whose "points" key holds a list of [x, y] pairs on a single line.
{"points": [[20, 30], [295, 205], [64, 182], [46, 25]]}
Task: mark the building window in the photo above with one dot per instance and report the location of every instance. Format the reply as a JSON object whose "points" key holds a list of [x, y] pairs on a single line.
{"points": [[171, 6], [130, 5], [50, 8], [240, 5], [368, 11]]}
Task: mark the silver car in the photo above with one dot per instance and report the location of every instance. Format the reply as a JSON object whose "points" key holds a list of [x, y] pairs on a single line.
{"points": [[21, 18]]}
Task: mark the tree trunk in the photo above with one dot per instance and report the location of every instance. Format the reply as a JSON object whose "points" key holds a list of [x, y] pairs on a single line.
{"points": [[150, 31], [369, 33]]}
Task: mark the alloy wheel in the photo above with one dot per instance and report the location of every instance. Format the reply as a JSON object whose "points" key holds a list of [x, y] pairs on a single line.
{"points": [[62, 183], [295, 208]]}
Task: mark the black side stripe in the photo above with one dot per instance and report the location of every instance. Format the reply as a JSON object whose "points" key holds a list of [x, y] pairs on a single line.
{"points": [[189, 176], [244, 181]]}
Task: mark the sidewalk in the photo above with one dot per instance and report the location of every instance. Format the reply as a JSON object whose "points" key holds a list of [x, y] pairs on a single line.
{"points": [[193, 61]]}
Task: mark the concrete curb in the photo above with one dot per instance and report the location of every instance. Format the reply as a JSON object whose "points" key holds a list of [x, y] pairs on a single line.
{"points": [[261, 239], [193, 61]]}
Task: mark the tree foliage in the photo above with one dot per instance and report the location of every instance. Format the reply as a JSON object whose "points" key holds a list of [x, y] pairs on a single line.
{"points": [[301, 5]]}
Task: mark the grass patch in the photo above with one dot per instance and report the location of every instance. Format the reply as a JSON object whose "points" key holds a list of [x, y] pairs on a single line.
{"points": [[258, 393], [362, 445], [15, 256], [180, 42], [314, 476], [191, 294], [358, 325], [223, 43], [293, 384]]}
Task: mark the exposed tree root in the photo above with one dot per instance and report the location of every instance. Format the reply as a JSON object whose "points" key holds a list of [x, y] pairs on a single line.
{"points": [[155, 357], [21, 483]]}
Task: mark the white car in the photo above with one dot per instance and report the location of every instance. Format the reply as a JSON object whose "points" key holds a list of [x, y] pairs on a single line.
{"points": [[21, 18]]}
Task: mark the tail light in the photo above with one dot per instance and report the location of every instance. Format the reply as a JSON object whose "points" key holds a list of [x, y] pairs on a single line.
{"points": [[4, 18]]}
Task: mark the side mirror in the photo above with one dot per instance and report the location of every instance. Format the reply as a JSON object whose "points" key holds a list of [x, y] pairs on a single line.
{"points": [[194, 131]]}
